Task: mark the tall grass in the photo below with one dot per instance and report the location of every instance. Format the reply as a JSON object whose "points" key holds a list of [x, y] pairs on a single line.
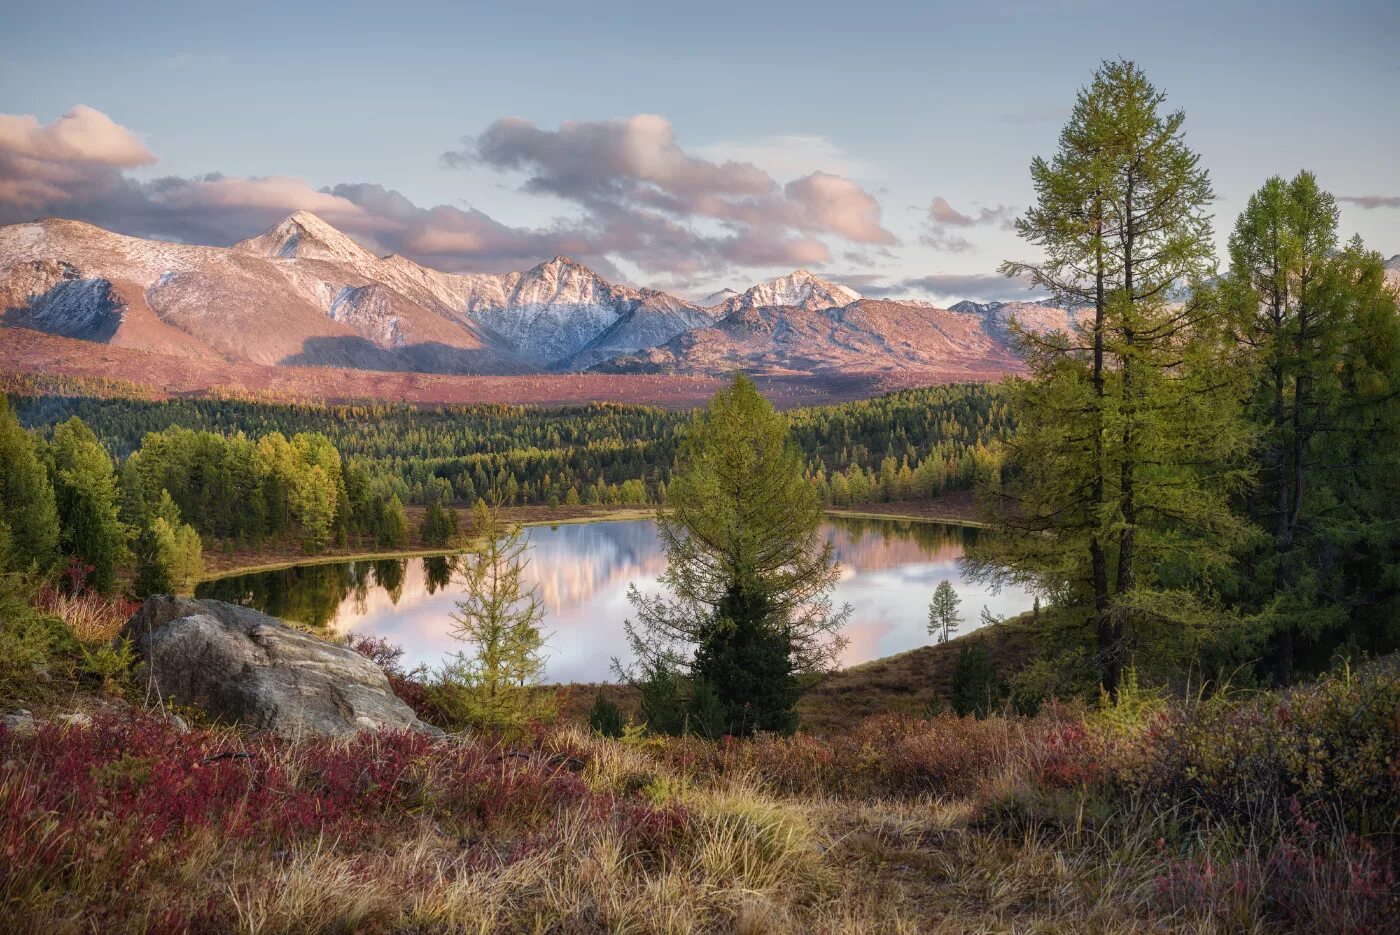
{"points": [[1237, 813]]}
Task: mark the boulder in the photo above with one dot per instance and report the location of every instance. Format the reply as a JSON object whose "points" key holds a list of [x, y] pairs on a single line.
{"points": [[19, 722], [244, 667]]}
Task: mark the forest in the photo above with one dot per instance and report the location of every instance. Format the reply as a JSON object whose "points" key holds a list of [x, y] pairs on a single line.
{"points": [[246, 472]]}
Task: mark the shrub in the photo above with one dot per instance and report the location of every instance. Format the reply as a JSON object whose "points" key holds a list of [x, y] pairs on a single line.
{"points": [[975, 687], [605, 717]]}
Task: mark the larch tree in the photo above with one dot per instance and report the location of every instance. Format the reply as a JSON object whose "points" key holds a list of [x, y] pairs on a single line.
{"points": [[1128, 446], [1319, 334], [943, 617], [495, 684], [747, 621]]}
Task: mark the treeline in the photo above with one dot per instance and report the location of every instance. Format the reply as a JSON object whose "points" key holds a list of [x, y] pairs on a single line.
{"points": [[213, 454], [66, 516]]}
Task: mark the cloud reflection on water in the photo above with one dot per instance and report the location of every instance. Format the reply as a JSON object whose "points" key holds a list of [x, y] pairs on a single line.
{"points": [[583, 571]]}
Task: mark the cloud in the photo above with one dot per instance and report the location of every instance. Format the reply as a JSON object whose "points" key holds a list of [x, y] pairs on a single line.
{"points": [[945, 287], [84, 135], [786, 156], [641, 199], [1372, 201], [639, 191], [943, 217]]}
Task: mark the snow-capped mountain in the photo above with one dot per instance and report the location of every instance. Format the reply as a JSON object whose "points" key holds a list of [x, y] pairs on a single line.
{"points": [[1038, 316], [969, 341], [716, 298], [798, 289], [304, 292], [1392, 271]]}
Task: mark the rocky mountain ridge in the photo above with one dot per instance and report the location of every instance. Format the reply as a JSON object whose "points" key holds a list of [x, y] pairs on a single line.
{"points": [[304, 293]]}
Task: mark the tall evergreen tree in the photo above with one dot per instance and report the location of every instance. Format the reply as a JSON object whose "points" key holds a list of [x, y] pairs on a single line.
{"points": [[1126, 442], [748, 618], [26, 497], [89, 502], [1319, 334]]}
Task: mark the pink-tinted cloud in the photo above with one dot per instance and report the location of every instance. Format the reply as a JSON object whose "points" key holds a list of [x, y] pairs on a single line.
{"points": [[638, 187], [83, 135], [944, 220], [641, 197]]}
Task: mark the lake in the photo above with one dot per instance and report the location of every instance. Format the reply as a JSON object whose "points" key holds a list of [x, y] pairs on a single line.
{"points": [[889, 569]]}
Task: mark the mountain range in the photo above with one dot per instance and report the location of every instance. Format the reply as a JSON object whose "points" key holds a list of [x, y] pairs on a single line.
{"points": [[306, 294]]}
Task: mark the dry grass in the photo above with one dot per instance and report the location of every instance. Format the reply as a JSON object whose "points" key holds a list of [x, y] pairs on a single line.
{"points": [[907, 682]]}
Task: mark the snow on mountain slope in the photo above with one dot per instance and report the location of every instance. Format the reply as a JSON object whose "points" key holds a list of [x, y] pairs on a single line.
{"points": [[865, 335], [1392, 271], [653, 319], [1036, 316], [304, 236], [798, 289], [717, 298], [232, 303], [305, 293]]}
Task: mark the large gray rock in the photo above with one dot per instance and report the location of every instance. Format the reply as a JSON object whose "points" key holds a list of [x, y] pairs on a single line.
{"points": [[247, 668]]}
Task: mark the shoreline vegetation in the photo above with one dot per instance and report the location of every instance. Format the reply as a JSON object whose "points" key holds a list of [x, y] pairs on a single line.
{"points": [[954, 509]]}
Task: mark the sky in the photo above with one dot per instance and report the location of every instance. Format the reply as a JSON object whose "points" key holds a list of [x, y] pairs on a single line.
{"points": [[685, 147]]}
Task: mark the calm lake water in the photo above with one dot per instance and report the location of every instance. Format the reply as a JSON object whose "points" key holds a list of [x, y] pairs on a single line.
{"points": [[889, 569]]}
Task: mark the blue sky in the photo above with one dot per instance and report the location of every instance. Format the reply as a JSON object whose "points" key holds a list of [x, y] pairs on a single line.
{"points": [[789, 134]]}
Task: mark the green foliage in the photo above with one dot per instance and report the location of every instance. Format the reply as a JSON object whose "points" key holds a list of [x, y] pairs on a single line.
{"points": [[747, 614], [1130, 448], [1320, 342], [905, 445], [664, 699], [39, 654], [27, 503], [391, 526], [85, 490], [169, 554], [439, 526], [495, 684], [605, 717], [943, 617], [976, 688]]}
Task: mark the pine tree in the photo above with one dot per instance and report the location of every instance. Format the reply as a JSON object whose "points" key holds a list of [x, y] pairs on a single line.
{"points": [[26, 497], [169, 554], [1128, 446], [439, 526], [748, 614], [499, 615], [943, 617]]}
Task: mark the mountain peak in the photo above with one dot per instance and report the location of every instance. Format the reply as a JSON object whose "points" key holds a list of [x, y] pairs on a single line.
{"points": [[305, 236], [800, 288]]}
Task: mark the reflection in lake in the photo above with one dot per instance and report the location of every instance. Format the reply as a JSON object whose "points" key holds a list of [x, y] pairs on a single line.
{"points": [[889, 569]]}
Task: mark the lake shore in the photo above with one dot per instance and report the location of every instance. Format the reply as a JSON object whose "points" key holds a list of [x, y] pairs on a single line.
{"points": [[954, 509]]}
